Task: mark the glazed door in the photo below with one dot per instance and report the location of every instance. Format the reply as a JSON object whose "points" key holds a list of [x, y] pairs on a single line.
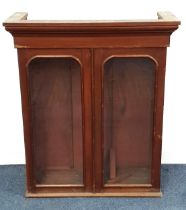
{"points": [[59, 100], [125, 81]]}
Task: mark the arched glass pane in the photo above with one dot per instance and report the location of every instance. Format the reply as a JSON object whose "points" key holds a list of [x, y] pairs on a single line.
{"points": [[55, 98], [128, 120]]}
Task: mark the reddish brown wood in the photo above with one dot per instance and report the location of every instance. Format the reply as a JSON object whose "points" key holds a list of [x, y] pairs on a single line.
{"points": [[92, 102]]}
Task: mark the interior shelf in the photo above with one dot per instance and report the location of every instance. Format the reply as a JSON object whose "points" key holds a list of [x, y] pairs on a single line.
{"points": [[131, 176], [61, 177]]}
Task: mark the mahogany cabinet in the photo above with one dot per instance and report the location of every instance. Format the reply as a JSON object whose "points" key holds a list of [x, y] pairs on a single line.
{"points": [[92, 101]]}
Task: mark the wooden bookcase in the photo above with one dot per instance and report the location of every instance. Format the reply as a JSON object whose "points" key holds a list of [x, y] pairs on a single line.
{"points": [[92, 101]]}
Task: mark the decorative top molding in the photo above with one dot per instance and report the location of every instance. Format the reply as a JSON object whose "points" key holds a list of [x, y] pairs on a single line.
{"points": [[18, 24]]}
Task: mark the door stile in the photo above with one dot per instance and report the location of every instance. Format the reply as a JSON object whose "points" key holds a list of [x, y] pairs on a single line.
{"points": [[87, 120], [98, 125]]}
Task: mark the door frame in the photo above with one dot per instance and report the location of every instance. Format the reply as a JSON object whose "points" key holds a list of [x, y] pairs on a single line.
{"points": [[158, 55], [84, 58]]}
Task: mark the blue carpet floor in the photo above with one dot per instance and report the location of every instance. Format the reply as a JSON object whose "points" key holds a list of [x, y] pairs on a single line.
{"points": [[12, 189]]}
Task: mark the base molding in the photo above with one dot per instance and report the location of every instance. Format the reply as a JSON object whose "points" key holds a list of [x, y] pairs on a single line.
{"points": [[88, 194]]}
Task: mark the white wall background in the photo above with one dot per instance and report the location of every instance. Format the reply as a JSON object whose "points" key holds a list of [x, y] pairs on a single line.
{"points": [[174, 131]]}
